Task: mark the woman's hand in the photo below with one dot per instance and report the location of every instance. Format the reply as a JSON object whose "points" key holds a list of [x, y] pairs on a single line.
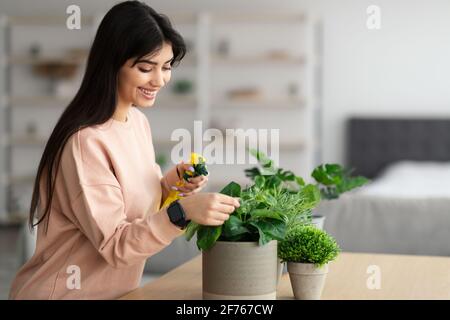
{"points": [[209, 209], [193, 185]]}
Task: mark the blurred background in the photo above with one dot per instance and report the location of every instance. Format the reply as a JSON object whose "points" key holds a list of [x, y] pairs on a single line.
{"points": [[340, 87]]}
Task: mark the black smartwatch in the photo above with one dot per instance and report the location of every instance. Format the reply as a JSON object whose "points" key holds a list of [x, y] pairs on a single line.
{"points": [[177, 215]]}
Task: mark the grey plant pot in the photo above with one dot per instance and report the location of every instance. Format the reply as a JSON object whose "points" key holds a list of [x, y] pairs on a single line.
{"points": [[318, 221], [240, 271], [307, 280], [280, 270]]}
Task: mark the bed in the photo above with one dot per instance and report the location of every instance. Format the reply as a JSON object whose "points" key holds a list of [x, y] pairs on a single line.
{"points": [[406, 207]]}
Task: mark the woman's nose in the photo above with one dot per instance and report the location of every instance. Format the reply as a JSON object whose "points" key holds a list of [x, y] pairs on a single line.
{"points": [[157, 80]]}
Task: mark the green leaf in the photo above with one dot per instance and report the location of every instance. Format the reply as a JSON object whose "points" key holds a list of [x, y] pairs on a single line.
{"points": [[207, 236], [252, 173], [350, 183], [328, 174], [269, 229], [260, 181], [233, 227], [273, 181], [191, 229], [265, 213], [300, 181], [232, 189], [311, 194]]}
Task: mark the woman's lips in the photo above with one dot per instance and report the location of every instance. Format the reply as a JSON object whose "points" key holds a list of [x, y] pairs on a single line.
{"points": [[148, 94]]}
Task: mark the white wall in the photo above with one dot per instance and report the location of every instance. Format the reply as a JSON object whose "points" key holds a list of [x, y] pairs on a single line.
{"points": [[402, 69]]}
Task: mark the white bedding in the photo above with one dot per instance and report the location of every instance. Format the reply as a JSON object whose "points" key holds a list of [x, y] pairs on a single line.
{"points": [[405, 211], [411, 180]]}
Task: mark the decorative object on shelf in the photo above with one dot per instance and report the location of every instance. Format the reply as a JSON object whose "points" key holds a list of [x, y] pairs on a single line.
{"points": [[307, 251], [247, 94], [293, 90], [183, 87], [35, 50], [223, 48], [14, 204], [278, 55], [31, 129], [55, 70], [78, 54]]}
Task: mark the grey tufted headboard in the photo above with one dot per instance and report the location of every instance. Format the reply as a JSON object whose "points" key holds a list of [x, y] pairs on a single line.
{"points": [[373, 143]]}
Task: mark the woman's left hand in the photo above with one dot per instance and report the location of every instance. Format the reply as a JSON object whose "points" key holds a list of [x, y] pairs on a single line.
{"points": [[193, 185]]}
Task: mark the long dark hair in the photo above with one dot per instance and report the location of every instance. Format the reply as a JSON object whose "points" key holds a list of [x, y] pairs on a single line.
{"points": [[130, 29]]}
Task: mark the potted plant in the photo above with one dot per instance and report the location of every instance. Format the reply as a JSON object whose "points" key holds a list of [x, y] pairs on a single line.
{"points": [[307, 251], [240, 257], [330, 179], [333, 180]]}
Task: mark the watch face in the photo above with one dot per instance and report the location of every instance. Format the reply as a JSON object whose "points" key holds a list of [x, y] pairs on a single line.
{"points": [[176, 214]]}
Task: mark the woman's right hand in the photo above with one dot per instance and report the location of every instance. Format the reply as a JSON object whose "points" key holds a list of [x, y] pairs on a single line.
{"points": [[209, 209]]}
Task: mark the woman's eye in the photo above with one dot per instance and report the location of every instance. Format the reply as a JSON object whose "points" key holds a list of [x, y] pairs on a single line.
{"points": [[167, 68], [144, 70]]}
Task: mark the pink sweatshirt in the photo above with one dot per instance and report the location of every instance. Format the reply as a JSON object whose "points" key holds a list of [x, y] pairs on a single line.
{"points": [[105, 219]]}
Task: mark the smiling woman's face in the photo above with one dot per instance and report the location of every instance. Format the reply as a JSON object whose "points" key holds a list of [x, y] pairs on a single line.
{"points": [[139, 84]]}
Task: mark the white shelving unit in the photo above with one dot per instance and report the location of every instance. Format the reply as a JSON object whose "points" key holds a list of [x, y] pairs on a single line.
{"points": [[270, 52], [29, 112]]}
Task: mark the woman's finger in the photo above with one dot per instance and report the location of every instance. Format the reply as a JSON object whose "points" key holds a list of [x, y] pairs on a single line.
{"points": [[183, 167], [183, 190], [197, 180], [221, 216], [231, 201], [187, 188], [216, 223], [190, 193], [224, 208]]}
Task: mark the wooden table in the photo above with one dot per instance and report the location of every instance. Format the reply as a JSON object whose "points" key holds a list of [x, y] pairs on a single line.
{"points": [[350, 276]]}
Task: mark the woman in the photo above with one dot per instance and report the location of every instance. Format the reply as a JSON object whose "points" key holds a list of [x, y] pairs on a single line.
{"points": [[99, 215]]}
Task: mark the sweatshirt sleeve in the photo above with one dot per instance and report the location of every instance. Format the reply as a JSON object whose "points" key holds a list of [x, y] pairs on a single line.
{"points": [[98, 209]]}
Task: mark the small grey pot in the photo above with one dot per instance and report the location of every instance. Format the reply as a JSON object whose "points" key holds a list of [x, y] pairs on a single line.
{"points": [[307, 280]]}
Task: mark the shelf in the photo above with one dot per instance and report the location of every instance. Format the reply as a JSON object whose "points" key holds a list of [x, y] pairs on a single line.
{"points": [[261, 104], [14, 219], [26, 60], [176, 101], [256, 60], [286, 146], [19, 101], [173, 101], [251, 17], [48, 20], [21, 180], [25, 141]]}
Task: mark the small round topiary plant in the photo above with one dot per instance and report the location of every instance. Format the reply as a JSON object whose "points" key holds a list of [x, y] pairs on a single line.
{"points": [[307, 244]]}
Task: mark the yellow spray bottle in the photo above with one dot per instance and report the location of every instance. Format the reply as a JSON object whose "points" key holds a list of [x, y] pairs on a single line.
{"points": [[200, 169]]}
